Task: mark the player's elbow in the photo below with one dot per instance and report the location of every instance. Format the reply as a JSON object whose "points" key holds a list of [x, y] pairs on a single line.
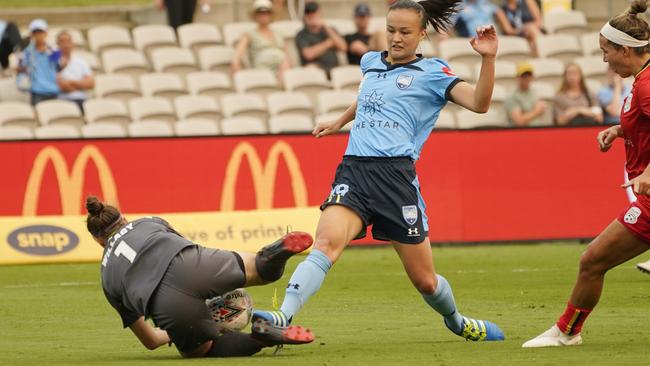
{"points": [[481, 109]]}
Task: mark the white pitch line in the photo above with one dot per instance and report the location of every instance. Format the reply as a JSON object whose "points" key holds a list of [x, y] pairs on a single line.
{"points": [[60, 284]]}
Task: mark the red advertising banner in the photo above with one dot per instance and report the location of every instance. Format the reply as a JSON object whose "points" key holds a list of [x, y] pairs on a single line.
{"points": [[493, 185]]}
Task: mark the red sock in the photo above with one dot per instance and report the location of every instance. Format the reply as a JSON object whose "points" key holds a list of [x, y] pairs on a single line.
{"points": [[572, 320]]}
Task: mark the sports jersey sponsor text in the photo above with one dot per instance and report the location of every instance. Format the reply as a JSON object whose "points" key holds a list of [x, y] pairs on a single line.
{"points": [[43, 240], [632, 215]]}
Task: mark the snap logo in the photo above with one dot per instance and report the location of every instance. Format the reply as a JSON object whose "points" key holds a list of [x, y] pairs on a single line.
{"points": [[410, 214], [404, 81], [632, 215], [43, 240]]}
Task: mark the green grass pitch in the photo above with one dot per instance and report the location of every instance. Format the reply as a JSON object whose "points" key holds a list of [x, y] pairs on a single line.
{"points": [[367, 313]]}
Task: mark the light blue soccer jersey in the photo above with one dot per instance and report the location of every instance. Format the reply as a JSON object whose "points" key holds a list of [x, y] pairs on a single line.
{"points": [[398, 105]]}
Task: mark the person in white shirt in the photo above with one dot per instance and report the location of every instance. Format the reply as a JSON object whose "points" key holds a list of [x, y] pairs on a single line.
{"points": [[75, 77]]}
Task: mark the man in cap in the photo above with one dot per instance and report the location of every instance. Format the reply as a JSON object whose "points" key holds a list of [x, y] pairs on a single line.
{"points": [[317, 42], [523, 107], [40, 63], [358, 42]]}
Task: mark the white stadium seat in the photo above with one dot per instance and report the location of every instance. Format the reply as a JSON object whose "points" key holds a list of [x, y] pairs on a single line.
{"points": [[446, 120], [290, 124], [151, 36], [105, 37], [216, 58], [58, 111], [212, 83], [346, 77], [282, 103], [243, 126], [196, 127], [259, 81], [57, 132], [247, 105], [17, 114], [566, 22], [125, 61], [467, 119], [103, 130], [232, 32], [163, 85], [151, 108], [198, 35], [513, 49], [106, 110], [151, 128], [548, 70], [560, 46], [117, 86], [335, 101], [173, 60], [15, 133], [197, 106]]}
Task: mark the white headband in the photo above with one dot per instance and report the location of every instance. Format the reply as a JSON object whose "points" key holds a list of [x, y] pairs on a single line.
{"points": [[621, 38]]}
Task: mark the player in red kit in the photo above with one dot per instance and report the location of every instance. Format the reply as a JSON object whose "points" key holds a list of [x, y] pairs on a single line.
{"points": [[624, 42]]}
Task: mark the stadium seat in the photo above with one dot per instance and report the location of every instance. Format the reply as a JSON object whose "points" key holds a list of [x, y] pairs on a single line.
{"points": [[106, 110], [232, 32], [287, 29], [335, 101], [17, 114], [174, 60], [593, 86], [513, 49], [9, 93], [593, 68], [103, 130], [446, 120], [548, 70], [216, 58], [341, 25], [499, 95], [197, 106], [77, 37], [150, 128], [290, 124], [148, 37], [212, 83], [151, 108], [15, 133], [117, 86], [198, 35], [59, 112], [196, 127], [564, 47], [458, 50], [163, 85], [346, 77], [90, 58], [243, 126], [591, 44], [377, 23], [57, 132], [468, 119], [463, 71], [544, 90], [308, 80], [566, 22], [328, 117], [244, 105], [259, 81], [293, 103], [125, 61], [104, 37], [505, 73]]}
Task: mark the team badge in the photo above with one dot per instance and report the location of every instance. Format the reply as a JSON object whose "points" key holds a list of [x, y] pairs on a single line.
{"points": [[404, 81], [632, 215], [628, 103], [410, 214]]}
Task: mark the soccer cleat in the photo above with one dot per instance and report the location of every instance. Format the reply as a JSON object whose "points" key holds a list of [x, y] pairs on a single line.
{"points": [[554, 338], [480, 330], [275, 317], [272, 335], [271, 259], [644, 267]]}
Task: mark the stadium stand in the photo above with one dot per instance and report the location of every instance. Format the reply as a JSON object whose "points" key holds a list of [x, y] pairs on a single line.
{"points": [[196, 127], [163, 85], [117, 86], [566, 22], [468, 119], [446, 120], [590, 45], [513, 49], [564, 47], [174, 60], [103, 130], [346, 77], [106, 110], [244, 105], [59, 112], [151, 109], [335, 101], [291, 103], [259, 81], [232, 32], [106, 37], [548, 70], [195, 36], [243, 126], [56, 132], [214, 84], [15, 133], [197, 106], [150, 128], [290, 123], [308, 80], [17, 114], [593, 68], [147, 38], [125, 61], [78, 38], [216, 58]]}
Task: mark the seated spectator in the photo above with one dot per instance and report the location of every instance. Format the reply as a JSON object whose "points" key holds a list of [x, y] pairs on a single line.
{"points": [[522, 18], [75, 77], [612, 106], [574, 105], [523, 107], [39, 65], [10, 42], [473, 14], [266, 48], [317, 42], [358, 42]]}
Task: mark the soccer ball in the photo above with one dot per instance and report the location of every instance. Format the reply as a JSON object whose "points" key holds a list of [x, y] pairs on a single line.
{"points": [[232, 310]]}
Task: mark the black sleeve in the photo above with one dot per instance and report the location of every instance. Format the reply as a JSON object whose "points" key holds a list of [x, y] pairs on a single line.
{"points": [[128, 317]]}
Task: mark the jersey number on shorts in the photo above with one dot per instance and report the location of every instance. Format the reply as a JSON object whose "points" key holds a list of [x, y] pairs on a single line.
{"points": [[125, 249]]}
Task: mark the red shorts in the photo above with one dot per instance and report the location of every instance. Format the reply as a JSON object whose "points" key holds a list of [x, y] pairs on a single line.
{"points": [[636, 218]]}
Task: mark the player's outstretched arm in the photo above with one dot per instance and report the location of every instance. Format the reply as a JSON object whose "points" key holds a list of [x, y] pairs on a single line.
{"points": [[606, 137], [478, 98], [330, 127], [150, 337]]}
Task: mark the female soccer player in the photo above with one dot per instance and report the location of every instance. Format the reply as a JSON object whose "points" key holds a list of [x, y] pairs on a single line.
{"points": [[624, 41], [149, 270], [399, 100]]}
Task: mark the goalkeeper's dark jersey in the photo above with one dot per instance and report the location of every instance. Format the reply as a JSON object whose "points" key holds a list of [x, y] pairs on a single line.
{"points": [[135, 260]]}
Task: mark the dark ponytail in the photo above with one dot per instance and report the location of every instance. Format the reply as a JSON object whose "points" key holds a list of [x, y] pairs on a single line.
{"points": [[630, 23], [438, 13], [102, 218]]}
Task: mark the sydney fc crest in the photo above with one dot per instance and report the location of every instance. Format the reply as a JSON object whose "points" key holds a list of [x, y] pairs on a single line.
{"points": [[404, 81], [410, 214]]}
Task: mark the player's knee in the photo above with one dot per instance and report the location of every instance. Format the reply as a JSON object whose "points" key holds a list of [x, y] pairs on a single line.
{"points": [[426, 286], [590, 264], [325, 245]]}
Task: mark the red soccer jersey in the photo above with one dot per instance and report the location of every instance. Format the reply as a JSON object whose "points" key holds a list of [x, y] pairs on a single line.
{"points": [[635, 122]]}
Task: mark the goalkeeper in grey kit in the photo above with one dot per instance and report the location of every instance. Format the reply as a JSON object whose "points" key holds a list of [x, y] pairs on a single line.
{"points": [[149, 270]]}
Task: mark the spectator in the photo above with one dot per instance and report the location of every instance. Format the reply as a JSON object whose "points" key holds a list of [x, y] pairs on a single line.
{"points": [[76, 76], [266, 48], [574, 105], [358, 43], [39, 65], [180, 12], [523, 107], [522, 18], [10, 41], [317, 42], [612, 106], [475, 13]]}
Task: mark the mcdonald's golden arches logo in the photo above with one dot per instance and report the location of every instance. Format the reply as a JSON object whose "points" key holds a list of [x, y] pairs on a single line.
{"points": [[264, 175], [70, 182]]}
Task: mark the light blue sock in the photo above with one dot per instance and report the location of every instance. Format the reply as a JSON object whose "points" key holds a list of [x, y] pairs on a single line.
{"points": [[443, 302], [305, 281]]}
